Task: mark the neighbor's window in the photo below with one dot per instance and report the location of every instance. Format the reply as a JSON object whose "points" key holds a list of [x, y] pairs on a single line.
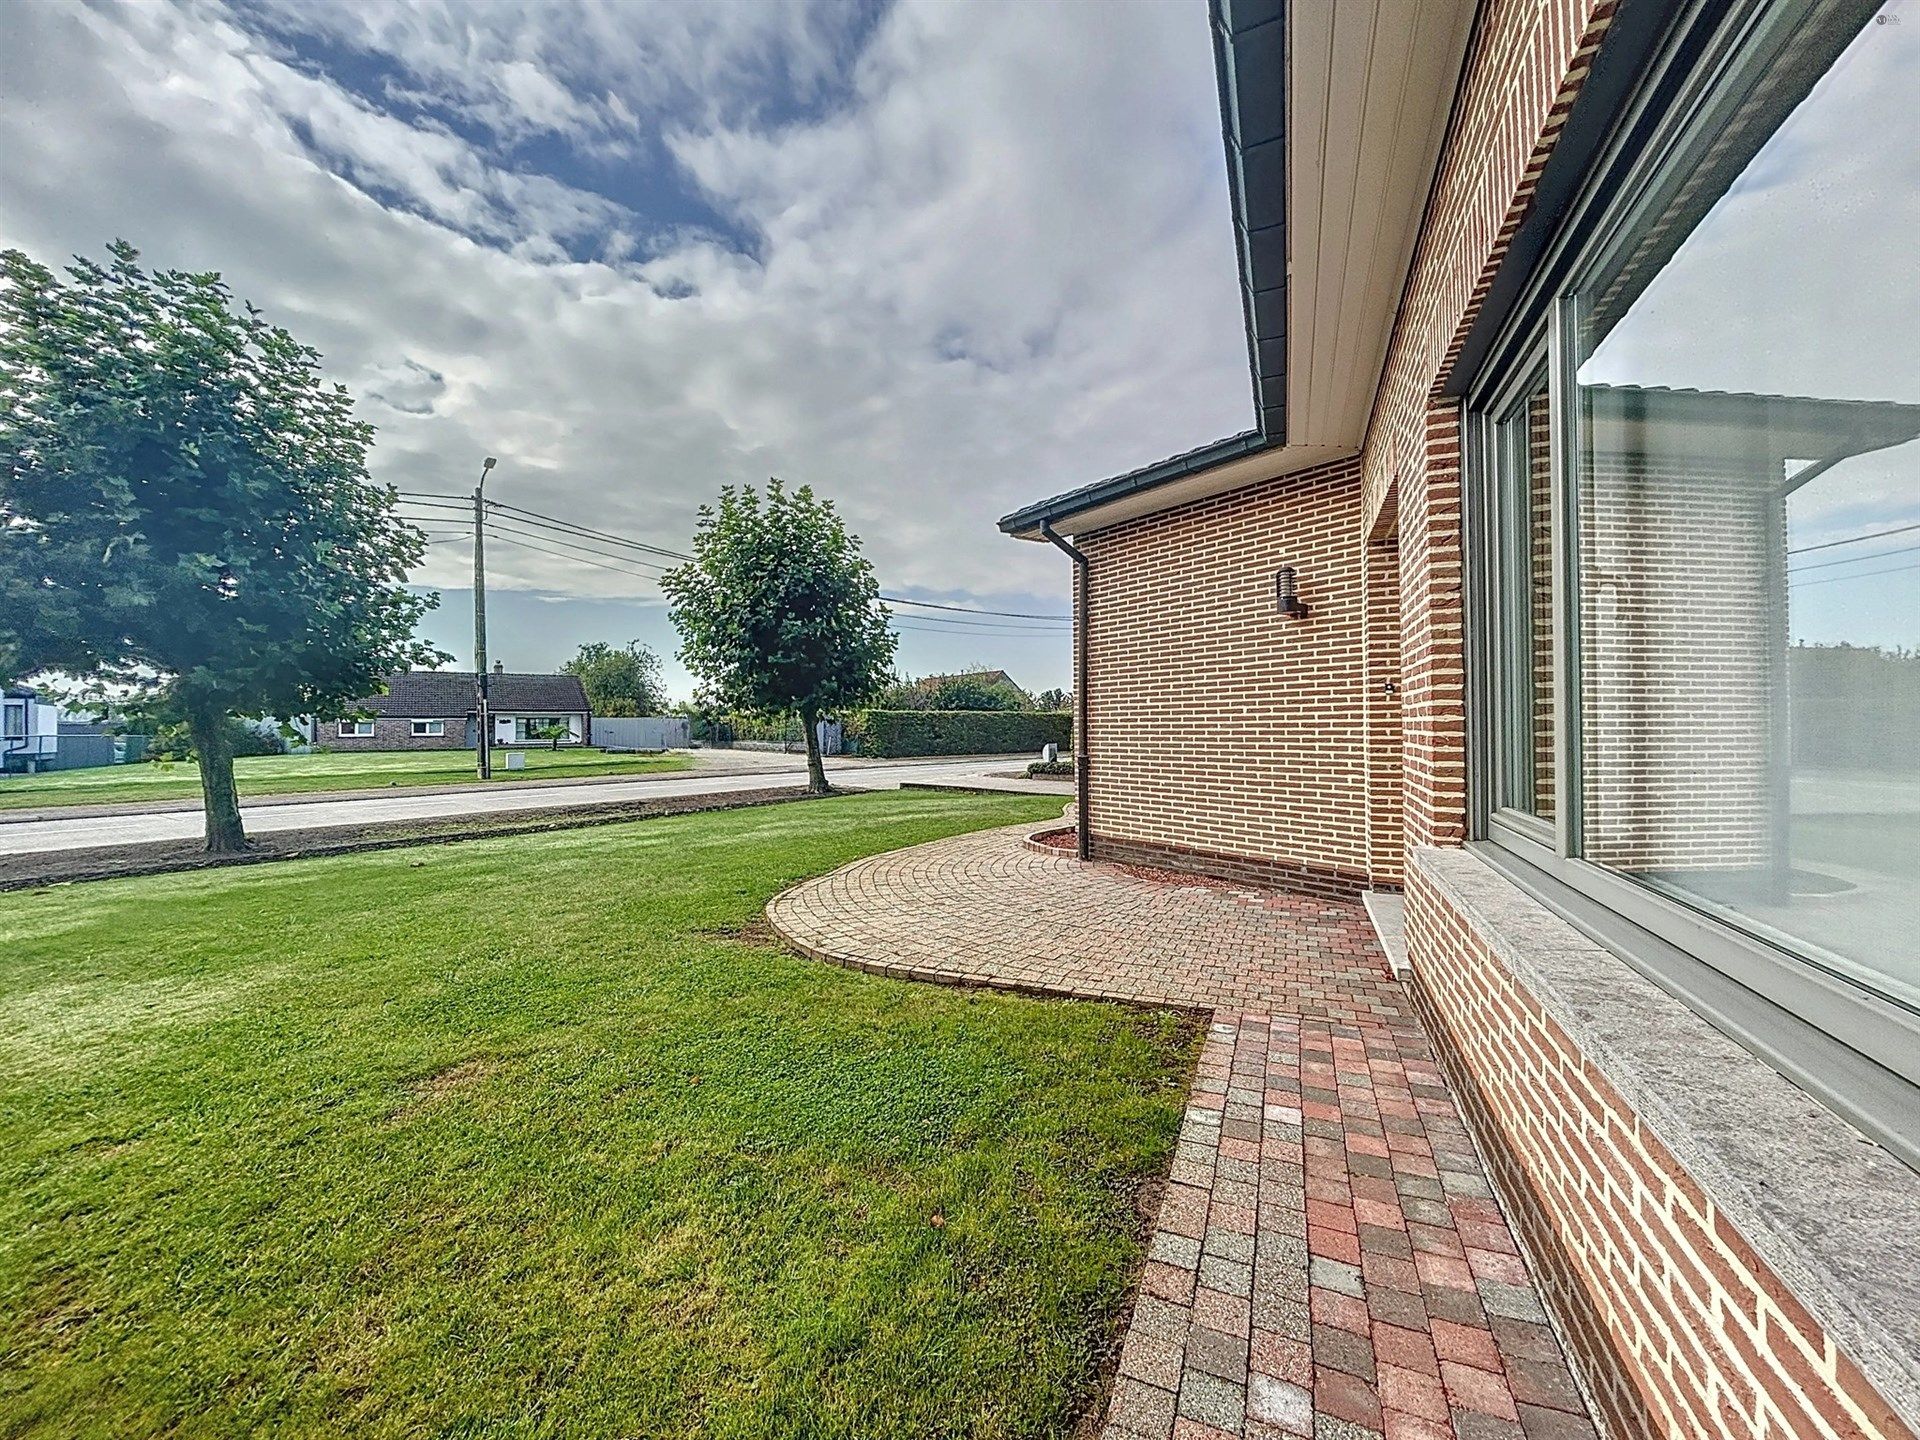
{"points": [[528, 727], [350, 728], [429, 727]]}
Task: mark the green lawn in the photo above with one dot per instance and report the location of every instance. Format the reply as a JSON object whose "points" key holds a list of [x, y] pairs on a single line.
{"points": [[540, 1137], [297, 774]]}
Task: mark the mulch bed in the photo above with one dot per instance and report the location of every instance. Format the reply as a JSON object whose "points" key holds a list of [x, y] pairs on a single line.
{"points": [[109, 862]]}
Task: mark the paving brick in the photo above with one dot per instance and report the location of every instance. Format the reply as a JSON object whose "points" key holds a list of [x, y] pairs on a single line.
{"points": [[1217, 1353], [1345, 1397], [1281, 1403], [1212, 1401], [1478, 1390]]}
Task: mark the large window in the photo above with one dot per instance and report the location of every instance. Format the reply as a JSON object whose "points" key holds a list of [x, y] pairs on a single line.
{"points": [[1697, 689], [540, 727]]}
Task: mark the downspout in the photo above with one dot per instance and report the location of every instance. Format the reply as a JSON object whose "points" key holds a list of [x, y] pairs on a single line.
{"points": [[1082, 595]]}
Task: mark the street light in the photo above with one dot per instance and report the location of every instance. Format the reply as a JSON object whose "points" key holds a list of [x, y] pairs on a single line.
{"points": [[485, 751]]}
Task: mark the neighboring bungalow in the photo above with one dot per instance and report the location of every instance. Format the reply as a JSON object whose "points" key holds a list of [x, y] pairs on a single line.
{"points": [[1576, 332], [436, 710]]}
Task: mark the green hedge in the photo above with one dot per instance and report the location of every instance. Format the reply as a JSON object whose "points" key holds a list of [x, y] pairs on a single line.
{"points": [[896, 734]]}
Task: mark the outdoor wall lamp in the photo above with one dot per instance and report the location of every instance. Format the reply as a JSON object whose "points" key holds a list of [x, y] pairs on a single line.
{"points": [[1286, 589]]}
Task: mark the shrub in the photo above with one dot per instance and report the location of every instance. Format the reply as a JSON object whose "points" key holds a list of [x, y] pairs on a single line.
{"points": [[1049, 767], [897, 734]]}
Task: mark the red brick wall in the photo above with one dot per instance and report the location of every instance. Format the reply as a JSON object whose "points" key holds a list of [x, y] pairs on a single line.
{"points": [[1386, 822], [1524, 69], [1222, 735], [390, 734], [1432, 632], [1678, 1327]]}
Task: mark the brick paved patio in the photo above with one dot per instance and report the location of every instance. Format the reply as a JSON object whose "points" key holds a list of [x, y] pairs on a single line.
{"points": [[1329, 1260]]}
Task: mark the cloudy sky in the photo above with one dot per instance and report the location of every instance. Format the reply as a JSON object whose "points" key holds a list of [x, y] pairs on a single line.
{"points": [[935, 257]]}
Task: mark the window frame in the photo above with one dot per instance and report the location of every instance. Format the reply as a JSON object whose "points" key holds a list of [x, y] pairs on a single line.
{"points": [[354, 730], [1501, 405], [426, 729], [1782, 1005]]}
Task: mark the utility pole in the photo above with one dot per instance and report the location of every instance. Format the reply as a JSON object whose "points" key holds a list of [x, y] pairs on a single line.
{"points": [[484, 751]]}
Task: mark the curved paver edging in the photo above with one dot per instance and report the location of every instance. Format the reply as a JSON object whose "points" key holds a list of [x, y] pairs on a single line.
{"points": [[989, 908], [1037, 839]]}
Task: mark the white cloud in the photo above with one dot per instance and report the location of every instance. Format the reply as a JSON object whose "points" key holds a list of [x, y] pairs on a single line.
{"points": [[996, 265]]}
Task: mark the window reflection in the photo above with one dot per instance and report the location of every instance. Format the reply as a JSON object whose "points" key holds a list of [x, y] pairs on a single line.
{"points": [[1749, 514]]}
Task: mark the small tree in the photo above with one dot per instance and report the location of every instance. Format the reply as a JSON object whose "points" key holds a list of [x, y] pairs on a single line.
{"points": [[620, 681], [186, 522], [554, 731], [779, 611]]}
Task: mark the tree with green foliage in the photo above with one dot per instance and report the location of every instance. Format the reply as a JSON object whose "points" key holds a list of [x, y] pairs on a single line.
{"points": [[971, 692], [186, 522], [778, 611], [620, 681]]}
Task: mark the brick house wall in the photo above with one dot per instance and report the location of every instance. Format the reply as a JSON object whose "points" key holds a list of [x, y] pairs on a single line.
{"points": [[1386, 848], [1677, 1326], [1342, 749], [395, 734], [1540, 647], [1220, 734]]}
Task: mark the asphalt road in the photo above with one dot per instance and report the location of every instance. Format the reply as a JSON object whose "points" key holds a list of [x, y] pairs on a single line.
{"points": [[37, 837]]}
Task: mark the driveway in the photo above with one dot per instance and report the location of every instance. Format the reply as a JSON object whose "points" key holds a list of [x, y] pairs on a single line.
{"points": [[80, 832]]}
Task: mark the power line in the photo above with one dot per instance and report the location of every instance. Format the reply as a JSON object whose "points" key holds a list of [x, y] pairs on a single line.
{"points": [[979, 634], [1861, 575], [969, 610], [541, 520], [1856, 560], [988, 626], [1855, 539], [498, 527], [578, 560], [587, 530]]}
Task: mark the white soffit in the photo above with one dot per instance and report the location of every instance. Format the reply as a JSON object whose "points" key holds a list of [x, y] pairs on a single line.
{"points": [[1370, 84]]}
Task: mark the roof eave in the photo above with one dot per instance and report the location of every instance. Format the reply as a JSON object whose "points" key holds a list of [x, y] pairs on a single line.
{"points": [[1024, 524]]}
